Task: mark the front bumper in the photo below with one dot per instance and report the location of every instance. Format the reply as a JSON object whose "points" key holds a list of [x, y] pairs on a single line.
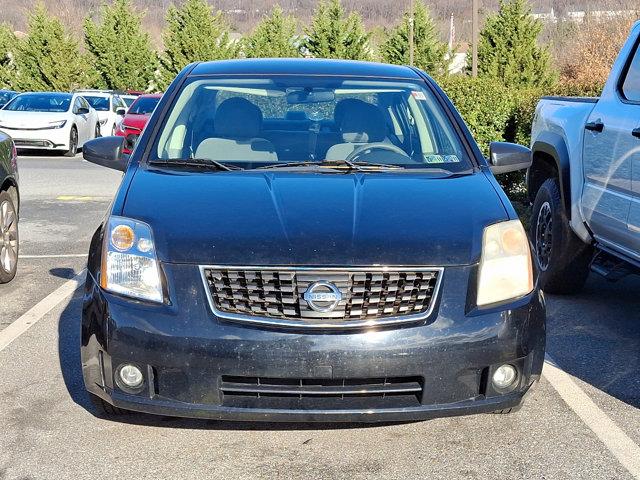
{"points": [[188, 355], [47, 139]]}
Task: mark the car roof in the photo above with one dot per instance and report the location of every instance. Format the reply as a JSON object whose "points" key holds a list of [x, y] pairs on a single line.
{"points": [[304, 66], [150, 95]]}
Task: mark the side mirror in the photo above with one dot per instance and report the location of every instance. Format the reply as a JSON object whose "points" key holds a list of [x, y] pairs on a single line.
{"points": [[130, 141], [508, 157], [121, 112], [82, 111], [106, 152]]}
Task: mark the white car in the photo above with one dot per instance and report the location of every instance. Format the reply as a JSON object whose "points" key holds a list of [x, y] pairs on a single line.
{"points": [[110, 107], [50, 121]]}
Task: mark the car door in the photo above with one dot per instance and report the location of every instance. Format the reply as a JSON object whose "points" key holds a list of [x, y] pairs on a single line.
{"points": [[81, 120], [608, 162], [92, 119], [630, 92]]}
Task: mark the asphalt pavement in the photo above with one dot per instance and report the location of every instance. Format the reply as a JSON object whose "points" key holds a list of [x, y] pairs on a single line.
{"points": [[581, 421]]}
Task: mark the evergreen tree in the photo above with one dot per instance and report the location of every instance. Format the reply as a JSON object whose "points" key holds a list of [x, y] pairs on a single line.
{"points": [[120, 51], [49, 59], [8, 43], [273, 37], [508, 48], [429, 52], [193, 33], [331, 35]]}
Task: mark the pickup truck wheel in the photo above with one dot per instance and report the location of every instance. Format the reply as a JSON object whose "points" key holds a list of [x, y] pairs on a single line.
{"points": [[563, 259], [105, 409]]}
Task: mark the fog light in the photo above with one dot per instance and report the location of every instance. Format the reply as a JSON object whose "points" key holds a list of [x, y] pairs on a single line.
{"points": [[504, 376], [130, 376]]}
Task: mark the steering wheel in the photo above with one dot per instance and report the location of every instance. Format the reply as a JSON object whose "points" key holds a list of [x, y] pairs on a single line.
{"points": [[370, 147]]}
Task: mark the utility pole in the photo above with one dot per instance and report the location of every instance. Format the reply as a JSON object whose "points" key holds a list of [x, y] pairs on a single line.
{"points": [[411, 18], [474, 39]]}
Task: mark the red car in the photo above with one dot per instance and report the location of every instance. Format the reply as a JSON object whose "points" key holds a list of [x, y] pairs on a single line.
{"points": [[136, 118]]}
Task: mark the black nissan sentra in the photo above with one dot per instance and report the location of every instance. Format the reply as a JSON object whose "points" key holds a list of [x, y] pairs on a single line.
{"points": [[309, 240]]}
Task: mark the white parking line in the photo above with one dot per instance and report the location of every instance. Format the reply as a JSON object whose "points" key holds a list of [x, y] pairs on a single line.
{"points": [[617, 442], [39, 310], [68, 255]]}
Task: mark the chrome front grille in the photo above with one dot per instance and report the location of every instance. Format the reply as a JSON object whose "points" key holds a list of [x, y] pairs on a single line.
{"points": [[363, 296]]}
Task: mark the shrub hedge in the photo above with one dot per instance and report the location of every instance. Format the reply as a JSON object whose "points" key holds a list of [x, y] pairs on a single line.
{"points": [[495, 112]]}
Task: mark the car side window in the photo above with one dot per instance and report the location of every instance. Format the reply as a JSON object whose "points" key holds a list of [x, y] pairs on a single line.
{"points": [[76, 105], [84, 103], [631, 83]]}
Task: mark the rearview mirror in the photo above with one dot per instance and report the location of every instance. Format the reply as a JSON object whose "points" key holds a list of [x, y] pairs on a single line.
{"points": [[304, 96], [82, 111], [121, 112], [106, 152], [508, 157]]}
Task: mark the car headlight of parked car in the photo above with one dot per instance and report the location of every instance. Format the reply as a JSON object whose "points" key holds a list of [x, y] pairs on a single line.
{"points": [[58, 124], [129, 263], [505, 267]]}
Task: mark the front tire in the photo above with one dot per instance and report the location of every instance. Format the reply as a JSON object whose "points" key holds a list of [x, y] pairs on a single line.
{"points": [[96, 133], [563, 259], [105, 409], [73, 143], [9, 241]]}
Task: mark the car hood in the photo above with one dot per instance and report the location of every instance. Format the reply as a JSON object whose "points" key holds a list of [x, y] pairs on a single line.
{"points": [[135, 121], [30, 120], [319, 219]]}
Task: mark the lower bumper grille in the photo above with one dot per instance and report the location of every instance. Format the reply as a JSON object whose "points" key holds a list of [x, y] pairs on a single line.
{"points": [[33, 143], [318, 388]]}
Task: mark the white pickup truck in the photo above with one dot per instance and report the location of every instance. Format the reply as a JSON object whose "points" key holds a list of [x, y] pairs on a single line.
{"points": [[584, 181]]}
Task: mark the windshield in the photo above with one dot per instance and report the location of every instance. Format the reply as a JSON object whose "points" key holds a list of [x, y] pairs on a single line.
{"points": [[40, 102], [257, 122], [144, 105], [128, 99], [101, 104], [6, 96]]}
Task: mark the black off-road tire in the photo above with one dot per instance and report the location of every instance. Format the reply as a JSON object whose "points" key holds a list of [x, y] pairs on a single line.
{"points": [[563, 259], [105, 409]]}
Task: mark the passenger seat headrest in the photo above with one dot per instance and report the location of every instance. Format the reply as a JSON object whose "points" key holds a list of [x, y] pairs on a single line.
{"points": [[238, 118], [362, 122]]}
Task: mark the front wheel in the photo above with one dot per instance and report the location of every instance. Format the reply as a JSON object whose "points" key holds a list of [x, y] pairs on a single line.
{"points": [[563, 259], [97, 131], [105, 409], [8, 239], [73, 143]]}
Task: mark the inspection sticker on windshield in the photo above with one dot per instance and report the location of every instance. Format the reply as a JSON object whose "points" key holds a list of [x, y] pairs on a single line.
{"points": [[418, 95], [441, 159]]}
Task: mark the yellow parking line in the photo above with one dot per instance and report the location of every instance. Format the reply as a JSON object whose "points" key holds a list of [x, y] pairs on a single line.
{"points": [[77, 198]]}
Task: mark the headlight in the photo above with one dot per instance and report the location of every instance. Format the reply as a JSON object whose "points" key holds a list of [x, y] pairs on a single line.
{"points": [[58, 124], [129, 263], [102, 122], [505, 266]]}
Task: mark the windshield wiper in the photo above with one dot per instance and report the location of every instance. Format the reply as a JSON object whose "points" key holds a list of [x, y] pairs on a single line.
{"points": [[343, 164], [194, 163]]}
